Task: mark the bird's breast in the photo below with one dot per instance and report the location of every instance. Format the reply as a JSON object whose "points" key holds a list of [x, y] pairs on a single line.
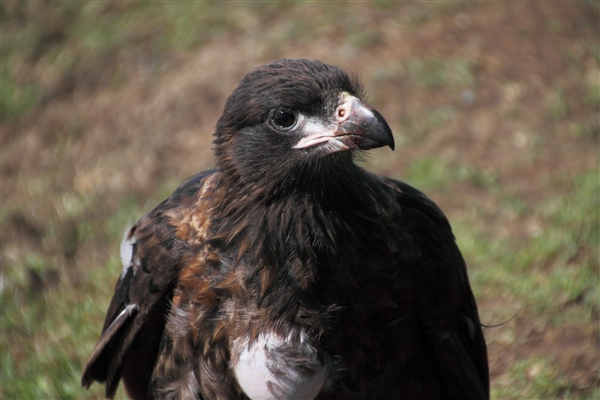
{"points": [[276, 367]]}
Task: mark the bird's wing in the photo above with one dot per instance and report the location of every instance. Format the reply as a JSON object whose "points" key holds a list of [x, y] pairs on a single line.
{"points": [[151, 253], [444, 305]]}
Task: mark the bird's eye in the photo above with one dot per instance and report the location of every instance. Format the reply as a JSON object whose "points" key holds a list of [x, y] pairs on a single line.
{"points": [[283, 118]]}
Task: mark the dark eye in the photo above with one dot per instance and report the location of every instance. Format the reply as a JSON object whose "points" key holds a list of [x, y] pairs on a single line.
{"points": [[283, 118]]}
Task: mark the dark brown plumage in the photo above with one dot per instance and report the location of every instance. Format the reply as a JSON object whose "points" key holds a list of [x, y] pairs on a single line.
{"points": [[290, 272]]}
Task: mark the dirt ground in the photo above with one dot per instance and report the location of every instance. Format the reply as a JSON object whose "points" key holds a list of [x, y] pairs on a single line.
{"points": [[509, 92]]}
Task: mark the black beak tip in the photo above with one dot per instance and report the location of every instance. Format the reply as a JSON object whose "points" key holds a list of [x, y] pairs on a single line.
{"points": [[391, 143]]}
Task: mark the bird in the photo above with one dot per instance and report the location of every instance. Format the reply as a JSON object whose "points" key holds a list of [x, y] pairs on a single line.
{"points": [[289, 271]]}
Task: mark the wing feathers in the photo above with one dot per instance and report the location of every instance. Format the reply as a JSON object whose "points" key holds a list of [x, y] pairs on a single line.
{"points": [[455, 363], [446, 308], [117, 357], [96, 368], [151, 252]]}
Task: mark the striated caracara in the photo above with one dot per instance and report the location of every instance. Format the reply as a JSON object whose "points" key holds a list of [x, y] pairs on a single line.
{"points": [[288, 272]]}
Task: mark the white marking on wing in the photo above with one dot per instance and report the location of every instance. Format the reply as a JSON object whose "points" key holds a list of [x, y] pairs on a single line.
{"points": [[127, 250]]}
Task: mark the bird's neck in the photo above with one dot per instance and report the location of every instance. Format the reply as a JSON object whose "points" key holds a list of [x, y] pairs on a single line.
{"points": [[291, 247], [304, 222]]}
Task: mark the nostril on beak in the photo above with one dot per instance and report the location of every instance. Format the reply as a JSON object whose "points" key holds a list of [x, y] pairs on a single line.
{"points": [[343, 113]]}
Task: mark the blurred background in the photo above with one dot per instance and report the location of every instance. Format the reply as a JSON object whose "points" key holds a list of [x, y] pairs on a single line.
{"points": [[107, 106]]}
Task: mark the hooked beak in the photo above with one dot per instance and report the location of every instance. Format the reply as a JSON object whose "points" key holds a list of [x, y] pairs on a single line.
{"points": [[357, 126]]}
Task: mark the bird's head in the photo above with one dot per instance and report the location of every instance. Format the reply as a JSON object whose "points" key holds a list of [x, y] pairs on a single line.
{"points": [[295, 120]]}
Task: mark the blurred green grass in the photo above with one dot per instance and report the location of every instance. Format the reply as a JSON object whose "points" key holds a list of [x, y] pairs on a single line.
{"points": [[528, 230]]}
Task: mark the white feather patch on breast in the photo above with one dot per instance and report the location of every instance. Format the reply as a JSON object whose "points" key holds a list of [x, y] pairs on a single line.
{"points": [[272, 368]]}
